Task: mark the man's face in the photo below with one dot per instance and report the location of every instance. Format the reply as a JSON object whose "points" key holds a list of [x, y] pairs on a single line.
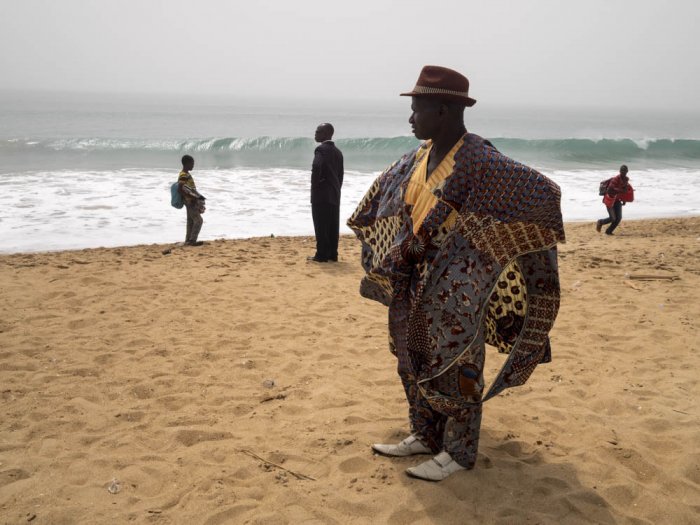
{"points": [[426, 118], [323, 132]]}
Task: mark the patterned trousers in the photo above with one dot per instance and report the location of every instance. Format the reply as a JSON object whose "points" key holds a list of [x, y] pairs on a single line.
{"points": [[194, 221], [456, 433]]}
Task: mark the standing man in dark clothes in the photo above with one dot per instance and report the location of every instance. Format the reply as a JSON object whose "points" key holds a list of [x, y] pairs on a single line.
{"points": [[326, 181], [194, 202]]}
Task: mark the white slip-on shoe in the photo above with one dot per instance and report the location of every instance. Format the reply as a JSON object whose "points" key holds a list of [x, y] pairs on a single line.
{"points": [[408, 447], [436, 469]]}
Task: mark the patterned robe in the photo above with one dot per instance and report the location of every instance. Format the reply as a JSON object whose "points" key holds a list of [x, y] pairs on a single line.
{"points": [[481, 266]]}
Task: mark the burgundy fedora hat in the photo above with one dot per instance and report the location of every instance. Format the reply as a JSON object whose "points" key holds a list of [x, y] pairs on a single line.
{"points": [[444, 83]]}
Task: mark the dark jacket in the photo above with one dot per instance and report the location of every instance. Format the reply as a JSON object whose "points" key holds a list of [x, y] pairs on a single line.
{"points": [[326, 174]]}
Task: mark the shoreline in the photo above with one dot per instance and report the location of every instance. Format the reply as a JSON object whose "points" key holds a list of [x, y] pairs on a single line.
{"points": [[178, 244], [142, 386]]}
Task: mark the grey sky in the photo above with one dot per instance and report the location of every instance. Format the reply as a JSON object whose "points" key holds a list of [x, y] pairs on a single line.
{"points": [[602, 53]]}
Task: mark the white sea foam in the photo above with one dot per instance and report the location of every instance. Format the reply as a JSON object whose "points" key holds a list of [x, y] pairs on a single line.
{"points": [[655, 194], [80, 171], [82, 209]]}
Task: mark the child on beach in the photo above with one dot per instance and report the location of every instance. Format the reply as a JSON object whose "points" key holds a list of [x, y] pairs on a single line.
{"points": [[194, 202]]}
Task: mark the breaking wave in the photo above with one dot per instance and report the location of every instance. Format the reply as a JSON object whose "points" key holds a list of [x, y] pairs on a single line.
{"points": [[363, 153]]}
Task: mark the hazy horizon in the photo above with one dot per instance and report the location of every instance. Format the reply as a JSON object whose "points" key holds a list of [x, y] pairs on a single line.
{"points": [[391, 103], [541, 53]]}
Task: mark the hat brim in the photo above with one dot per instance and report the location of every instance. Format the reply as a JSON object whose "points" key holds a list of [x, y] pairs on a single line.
{"points": [[468, 101]]}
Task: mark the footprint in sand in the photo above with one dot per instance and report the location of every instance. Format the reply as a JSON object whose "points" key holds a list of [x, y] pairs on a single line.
{"points": [[12, 475], [193, 437], [355, 465]]}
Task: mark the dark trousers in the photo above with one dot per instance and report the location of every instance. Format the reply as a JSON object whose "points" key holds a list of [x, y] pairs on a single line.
{"points": [[614, 217], [326, 219], [194, 221]]}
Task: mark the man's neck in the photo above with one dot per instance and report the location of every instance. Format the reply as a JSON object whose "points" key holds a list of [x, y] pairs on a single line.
{"points": [[446, 140]]}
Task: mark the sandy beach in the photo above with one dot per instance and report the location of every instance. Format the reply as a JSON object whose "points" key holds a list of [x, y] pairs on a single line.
{"points": [[239, 383]]}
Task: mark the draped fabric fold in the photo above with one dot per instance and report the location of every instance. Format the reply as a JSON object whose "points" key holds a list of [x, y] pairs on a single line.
{"points": [[481, 265]]}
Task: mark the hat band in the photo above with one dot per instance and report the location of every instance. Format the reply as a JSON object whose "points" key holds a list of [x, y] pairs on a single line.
{"points": [[424, 90]]}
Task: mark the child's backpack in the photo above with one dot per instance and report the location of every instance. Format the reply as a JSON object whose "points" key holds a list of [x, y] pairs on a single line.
{"points": [[175, 196], [602, 187]]}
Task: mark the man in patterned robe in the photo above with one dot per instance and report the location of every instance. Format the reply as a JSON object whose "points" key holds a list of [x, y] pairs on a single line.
{"points": [[459, 241]]}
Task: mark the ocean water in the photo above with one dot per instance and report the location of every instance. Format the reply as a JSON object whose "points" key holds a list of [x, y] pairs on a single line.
{"points": [[94, 170]]}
